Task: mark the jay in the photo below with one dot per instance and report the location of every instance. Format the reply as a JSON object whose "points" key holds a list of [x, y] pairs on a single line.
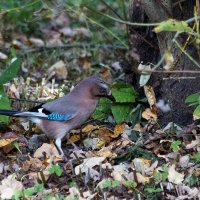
{"points": [[58, 117]]}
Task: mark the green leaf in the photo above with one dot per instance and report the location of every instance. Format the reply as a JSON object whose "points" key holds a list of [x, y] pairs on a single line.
{"points": [[144, 78], [175, 145], [173, 25], [193, 98], [16, 145], [130, 184], [4, 104], [196, 157], [121, 112], [103, 109], [153, 190], [10, 72], [109, 184], [191, 180], [33, 190], [197, 111], [56, 169], [162, 176], [124, 93]]}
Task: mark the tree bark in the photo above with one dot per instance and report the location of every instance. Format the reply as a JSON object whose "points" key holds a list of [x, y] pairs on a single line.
{"points": [[150, 47]]}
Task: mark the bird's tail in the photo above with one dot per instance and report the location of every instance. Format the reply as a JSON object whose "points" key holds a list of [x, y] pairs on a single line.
{"points": [[9, 112], [22, 114]]}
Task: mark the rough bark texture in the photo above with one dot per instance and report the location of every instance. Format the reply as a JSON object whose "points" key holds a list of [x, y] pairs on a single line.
{"points": [[149, 46]]}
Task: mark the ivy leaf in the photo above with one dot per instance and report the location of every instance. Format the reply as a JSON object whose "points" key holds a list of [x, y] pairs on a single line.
{"points": [[103, 109], [10, 72], [193, 99], [56, 169], [33, 190], [175, 145], [121, 112], [124, 93], [4, 104]]}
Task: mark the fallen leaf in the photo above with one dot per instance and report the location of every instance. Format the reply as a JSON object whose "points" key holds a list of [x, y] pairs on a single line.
{"points": [[119, 129], [3, 56], [9, 186], [87, 167], [89, 128], [149, 115], [149, 92], [36, 42], [193, 144], [142, 179], [49, 149], [122, 172], [174, 176], [59, 68], [183, 161]]}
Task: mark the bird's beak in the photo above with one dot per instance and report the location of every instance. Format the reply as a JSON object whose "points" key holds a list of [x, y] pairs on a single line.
{"points": [[110, 96]]}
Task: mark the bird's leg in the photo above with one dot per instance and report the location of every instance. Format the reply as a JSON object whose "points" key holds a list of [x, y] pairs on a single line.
{"points": [[58, 146]]}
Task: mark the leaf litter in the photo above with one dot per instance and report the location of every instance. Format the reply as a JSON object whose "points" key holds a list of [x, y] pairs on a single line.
{"points": [[113, 161]]}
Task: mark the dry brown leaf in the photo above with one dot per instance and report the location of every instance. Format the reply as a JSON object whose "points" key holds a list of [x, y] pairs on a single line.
{"points": [[49, 149], [149, 92], [74, 138], [6, 141], [59, 68], [149, 115], [106, 152], [119, 129], [104, 134], [142, 179], [138, 128], [89, 128]]}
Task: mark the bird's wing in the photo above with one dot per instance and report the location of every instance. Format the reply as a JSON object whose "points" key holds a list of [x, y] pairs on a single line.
{"points": [[43, 113]]}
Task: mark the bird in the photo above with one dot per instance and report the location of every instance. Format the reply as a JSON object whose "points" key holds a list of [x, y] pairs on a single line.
{"points": [[58, 117]]}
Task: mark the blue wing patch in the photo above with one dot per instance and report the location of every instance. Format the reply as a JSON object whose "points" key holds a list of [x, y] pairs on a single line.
{"points": [[59, 117]]}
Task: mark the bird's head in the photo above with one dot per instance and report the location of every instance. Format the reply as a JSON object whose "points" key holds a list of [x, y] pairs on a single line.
{"points": [[97, 87]]}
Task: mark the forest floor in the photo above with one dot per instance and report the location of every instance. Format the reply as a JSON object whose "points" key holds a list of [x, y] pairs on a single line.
{"points": [[123, 160]]}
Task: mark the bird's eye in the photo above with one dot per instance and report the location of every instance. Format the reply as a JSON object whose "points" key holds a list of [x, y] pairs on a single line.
{"points": [[102, 90]]}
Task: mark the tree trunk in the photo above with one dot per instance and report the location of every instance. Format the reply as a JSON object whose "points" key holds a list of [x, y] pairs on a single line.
{"points": [[149, 47]]}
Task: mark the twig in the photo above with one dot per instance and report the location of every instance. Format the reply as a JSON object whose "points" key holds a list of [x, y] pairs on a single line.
{"points": [[67, 46], [168, 72]]}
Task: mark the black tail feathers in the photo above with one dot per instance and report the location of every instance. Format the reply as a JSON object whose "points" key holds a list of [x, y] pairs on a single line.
{"points": [[9, 112]]}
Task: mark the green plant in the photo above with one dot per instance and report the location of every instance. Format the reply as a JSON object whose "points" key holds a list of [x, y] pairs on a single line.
{"points": [[162, 175], [56, 169], [22, 194], [194, 100], [125, 107], [8, 74], [109, 184], [175, 145], [191, 180], [152, 190], [20, 13]]}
